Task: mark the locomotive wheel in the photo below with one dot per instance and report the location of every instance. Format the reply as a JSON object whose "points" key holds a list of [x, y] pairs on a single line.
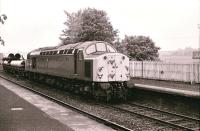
{"points": [[97, 92], [124, 97], [125, 90], [102, 96], [97, 98]]}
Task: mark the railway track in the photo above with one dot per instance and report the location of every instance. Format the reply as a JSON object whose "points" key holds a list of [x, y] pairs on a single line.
{"points": [[99, 119], [167, 118]]}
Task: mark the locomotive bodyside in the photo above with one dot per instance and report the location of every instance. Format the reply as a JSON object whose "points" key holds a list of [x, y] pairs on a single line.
{"points": [[93, 67], [57, 65]]}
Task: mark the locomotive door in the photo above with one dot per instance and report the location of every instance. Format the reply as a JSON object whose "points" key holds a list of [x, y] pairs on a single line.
{"points": [[33, 63], [75, 60], [78, 63]]}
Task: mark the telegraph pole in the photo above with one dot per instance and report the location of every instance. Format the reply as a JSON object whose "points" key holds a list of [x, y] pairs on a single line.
{"points": [[199, 57], [199, 37]]}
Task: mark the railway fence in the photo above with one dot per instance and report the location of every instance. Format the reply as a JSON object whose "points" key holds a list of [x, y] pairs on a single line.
{"points": [[184, 72]]}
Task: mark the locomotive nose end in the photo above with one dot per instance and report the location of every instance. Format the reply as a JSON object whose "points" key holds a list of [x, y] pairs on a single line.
{"points": [[113, 67]]}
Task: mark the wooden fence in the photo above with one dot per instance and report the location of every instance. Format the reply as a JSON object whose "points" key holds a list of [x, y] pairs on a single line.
{"points": [[166, 71]]}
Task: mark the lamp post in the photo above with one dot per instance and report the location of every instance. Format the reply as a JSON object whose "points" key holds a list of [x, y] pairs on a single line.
{"points": [[199, 37], [199, 57]]}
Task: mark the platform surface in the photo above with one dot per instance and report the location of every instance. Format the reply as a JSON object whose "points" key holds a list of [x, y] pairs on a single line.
{"points": [[16, 114], [169, 87]]}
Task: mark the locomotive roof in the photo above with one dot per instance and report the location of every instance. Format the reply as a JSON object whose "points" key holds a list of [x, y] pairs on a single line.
{"points": [[78, 45], [63, 47]]}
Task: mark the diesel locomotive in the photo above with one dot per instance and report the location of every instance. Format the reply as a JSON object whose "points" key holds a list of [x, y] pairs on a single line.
{"points": [[93, 67]]}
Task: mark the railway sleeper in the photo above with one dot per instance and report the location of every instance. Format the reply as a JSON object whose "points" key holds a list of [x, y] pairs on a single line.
{"points": [[188, 124], [174, 120], [152, 115]]}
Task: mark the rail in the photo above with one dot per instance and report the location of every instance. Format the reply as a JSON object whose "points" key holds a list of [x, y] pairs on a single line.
{"points": [[163, 117]]}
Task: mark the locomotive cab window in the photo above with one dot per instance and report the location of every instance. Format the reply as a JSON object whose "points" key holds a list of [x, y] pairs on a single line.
{"points": [[91, 49], [110, 49], [99, 47]]}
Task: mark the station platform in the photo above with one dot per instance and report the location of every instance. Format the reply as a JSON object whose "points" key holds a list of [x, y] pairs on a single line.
{"points": [[16, 114], [22, 110], [169, 87]]}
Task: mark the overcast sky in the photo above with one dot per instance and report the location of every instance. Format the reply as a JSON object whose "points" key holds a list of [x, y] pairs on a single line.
{"points": [[31, 24]]}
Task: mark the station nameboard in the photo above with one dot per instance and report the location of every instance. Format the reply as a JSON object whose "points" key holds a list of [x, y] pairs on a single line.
{"points": [[196, 55]]}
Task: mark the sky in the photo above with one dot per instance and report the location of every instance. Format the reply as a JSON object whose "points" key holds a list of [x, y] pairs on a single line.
{"points": [[31, 24]]}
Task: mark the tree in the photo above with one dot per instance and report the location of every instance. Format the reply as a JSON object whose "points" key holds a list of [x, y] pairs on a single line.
{"points": [[88, 25], [120, 46], [2, 20], [140, 48]]}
